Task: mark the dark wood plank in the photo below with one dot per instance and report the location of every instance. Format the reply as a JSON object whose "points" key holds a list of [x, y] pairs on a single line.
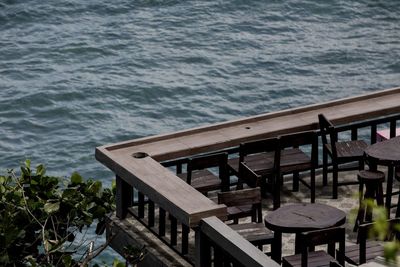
{"points": [[253, 232], [234, 244], [248, 196]]}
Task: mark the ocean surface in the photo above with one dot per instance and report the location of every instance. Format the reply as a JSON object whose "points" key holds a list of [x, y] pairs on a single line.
{"points": [[79, 74]]}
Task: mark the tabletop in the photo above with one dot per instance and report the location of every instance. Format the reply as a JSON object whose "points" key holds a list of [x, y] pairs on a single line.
{"points": [[385, 152], [301, 217]]}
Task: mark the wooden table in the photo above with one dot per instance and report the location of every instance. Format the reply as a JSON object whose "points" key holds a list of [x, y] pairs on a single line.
{"points": [[298, 218], [386, 153]]}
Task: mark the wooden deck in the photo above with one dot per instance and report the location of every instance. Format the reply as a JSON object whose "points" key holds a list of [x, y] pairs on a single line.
{"points": [[172, 193]]}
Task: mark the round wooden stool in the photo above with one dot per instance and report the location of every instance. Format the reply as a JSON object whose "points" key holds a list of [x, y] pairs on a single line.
{"points": [[373, 181]]}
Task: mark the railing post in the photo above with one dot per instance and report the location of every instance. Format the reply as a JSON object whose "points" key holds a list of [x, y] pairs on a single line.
{"points": [[392, 128], [185, 239], [141, 205], [174, 230], [203, 249], [161, 222], [124, 197], [151, 213], [373, 133], [354, 133]]}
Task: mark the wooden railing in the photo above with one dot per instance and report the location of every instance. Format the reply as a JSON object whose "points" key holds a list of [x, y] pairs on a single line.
{"points": [[169, 207], [168, 215], [218, 245]]}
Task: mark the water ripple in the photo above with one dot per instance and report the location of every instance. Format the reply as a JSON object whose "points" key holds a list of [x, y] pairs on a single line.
{"points": [[78, 74]]}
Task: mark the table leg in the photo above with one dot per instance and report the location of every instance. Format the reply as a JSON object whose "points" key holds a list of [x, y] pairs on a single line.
{"points": [[276, 248], [389, 188], [297, 245]]}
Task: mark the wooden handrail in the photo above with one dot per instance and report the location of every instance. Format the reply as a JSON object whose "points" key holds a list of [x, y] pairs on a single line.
{"points": [[227, 134], [232, 243], [165, 189]]}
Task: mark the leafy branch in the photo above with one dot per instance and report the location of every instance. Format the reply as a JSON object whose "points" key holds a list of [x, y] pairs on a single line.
{"points": [[41, 216]]}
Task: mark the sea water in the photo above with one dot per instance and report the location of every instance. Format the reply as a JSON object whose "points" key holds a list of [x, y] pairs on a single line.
{"points": [[79, 74]]}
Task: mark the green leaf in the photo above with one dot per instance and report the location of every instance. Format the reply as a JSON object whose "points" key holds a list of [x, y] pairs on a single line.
{"points": [[51, 207], [31, 260], [76, 178], [25, 171], [67, 260], [95, 187], [117, 263], [40, 170], [390, 251], [28, 163]]}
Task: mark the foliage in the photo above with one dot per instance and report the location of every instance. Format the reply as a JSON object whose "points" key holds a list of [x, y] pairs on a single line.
{"points": [[134, 255], [381, 230], [42, 215]]}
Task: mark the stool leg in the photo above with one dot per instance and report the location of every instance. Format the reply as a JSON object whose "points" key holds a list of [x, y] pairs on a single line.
{"points": [[369, 194], [389, 186], [324, 167], [335, 170], [295, 182], [398, 208], [361, 211], [379, 195]]}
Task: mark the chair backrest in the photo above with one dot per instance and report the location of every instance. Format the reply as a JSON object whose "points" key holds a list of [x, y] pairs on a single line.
{"points": [[249, 196], [364, 230], [248, 176], [334, 264], [202, 162], [295, 140], [329, 236], [328, 130], [257, 146]]}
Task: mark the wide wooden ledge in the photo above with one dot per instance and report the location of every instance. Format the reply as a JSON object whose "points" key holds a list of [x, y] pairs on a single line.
{"points": [[162, 186], [231, 133]]}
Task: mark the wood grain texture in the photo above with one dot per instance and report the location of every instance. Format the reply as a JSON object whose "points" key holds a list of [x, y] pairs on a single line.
{"points": [[216, 136]]}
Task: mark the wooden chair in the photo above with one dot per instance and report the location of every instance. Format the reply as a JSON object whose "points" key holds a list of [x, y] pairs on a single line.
{"points": [[273, 157], [294, 160], [201, 178], [259, 156], [329, 236], [340, 152], [255, 231], [366, 249]]}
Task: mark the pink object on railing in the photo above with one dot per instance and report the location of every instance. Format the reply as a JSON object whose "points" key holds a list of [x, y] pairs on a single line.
{"points": [[385, 134]]}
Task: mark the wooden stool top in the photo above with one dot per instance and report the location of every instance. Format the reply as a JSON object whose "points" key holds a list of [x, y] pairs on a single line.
{"points": [[371, 176]]}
